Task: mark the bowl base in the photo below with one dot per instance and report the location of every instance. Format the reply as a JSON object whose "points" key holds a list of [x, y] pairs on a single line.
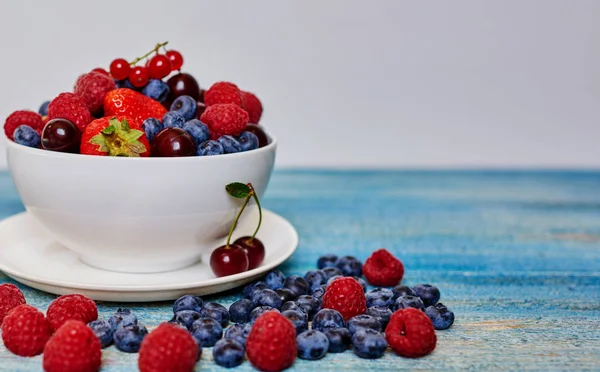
{"points": [[141, 268]]}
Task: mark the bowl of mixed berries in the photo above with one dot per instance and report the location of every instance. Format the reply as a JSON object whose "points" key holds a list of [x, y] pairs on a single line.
{"points": [[129, 169]]}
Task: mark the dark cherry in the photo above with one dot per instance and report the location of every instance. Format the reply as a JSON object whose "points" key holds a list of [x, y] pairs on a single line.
{"points": [[260, 133], [254, 248], [200, 108], [182, 84], [61, 135], [230, 260], [172, 142]]}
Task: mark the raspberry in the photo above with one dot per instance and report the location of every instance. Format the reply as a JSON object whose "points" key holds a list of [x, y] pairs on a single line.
{"points": [[25, 331], [252, 105], [410, 333], [71, 107], [168, 348], [10, 297], [225, 119], [23, 117], [73, 348], [271, 344], [383, 269], [223, 92], [73, 306], [345, 295], [92, 87]]}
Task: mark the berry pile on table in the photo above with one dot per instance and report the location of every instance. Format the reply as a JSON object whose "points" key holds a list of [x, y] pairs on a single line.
{"points": [[136, 110], [279, 318]]}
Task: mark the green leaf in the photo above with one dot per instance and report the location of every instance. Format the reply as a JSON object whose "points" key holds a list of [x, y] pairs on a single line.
{"points": [[125, 125], [238, 190], [109, 130], [99, 140], [132, 135]]}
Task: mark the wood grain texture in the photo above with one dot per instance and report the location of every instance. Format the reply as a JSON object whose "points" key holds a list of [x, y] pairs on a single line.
{"points": [[515, 254]]}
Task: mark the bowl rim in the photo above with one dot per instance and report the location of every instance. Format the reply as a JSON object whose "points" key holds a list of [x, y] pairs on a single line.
{"points": [[271, 146]]}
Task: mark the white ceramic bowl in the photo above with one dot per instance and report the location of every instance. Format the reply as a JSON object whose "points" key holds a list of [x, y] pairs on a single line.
{"points": [[135, 214]]}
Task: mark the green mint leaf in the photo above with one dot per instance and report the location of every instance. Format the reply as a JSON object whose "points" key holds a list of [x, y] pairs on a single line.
{"points": [[238, 190]]}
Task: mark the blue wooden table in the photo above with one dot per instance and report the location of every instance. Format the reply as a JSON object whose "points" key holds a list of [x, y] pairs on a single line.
{"points": [[515, 254]]}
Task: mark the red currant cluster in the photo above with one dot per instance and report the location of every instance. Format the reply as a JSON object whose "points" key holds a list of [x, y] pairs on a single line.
{"points": [[157, 67]]}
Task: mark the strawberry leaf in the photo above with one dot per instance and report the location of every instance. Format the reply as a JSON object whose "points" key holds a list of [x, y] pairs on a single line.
{"points": [[238, 190]]}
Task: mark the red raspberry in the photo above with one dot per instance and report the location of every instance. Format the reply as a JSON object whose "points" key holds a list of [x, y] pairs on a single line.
{"points": [[410, 333], [253, 107], [383, 269], [73, 306], [224, 119], [71, 107], [73, 348], [25, 331], [92, 87], [22, 117], [223, 92], [345, 295], [168, 348], [271, 344], [10, 297]]}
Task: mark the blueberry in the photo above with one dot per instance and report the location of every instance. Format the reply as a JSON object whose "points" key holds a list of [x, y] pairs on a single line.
{"points": [[339, 339], [350, 266], [209, 148], [333, 278], [185, 318], [238, 332], [297, 284], [362, 283], [275, 279], [239, 311], [298, 319], [309, 304], [152, 126], [126, 84], [216, 311], [285, 295], [428, 293], [122, 318], [230, 144], [312, 345], [328, 318], [319, 292], [173, 119], [43, 110], [103, 330], [260, 311], [207, 331], [26, 136], [291, 305], [129, 339], [250, 288], [156, 89], [185, 106], [248, 141], [328, 260], [228, 353], [440, 316], [266, 297], [188, 302], [315, 278], [332, 271], [368, 343], [380, 297], [402, 290], [383, 314], [198, 130], [363, 321], [404, 302]]}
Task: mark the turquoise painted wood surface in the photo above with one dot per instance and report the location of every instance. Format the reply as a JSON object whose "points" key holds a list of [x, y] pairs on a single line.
{"points": [[515, 254]]}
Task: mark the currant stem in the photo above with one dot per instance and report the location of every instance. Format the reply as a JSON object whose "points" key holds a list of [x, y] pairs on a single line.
{"points": [[236, 220], [259, 210], [155, 50]]}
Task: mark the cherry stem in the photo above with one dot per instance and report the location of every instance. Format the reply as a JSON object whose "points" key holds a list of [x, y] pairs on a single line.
{"points": [[155, 50], [259, 210], [237, 218]]}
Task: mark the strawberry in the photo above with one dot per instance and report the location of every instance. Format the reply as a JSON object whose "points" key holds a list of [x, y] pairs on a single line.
{"points": [[115, 136], [127, 102]]}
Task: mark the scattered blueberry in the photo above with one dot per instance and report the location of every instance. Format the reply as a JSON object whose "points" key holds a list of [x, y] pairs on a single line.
{"points": [[266, 297], [368, 343], [126, 84], [328, 318], [26, 136], [383, 314], [260, 311], [328, 260], [350, 266], [312, 345], [43, 110], [362, 283], [239, 311], [216, 311], [185, 318], [103, 330], [315, 278], [248, 141], [228, 353], [156, 89], [333, 278], [129, 339], [339, 339], [152, 126], [331, 272], [292, 305], [428, 293], [285, 295], [440, 316], [173, 119], [296, 284], [298, 319], [309, 304], [250, 288], [380, 297], [363, 321], [404, 302], [275, 279], [122, 318], [188, 302], [238, 332], [210, 148], [319, 292], [207, 331], [402, 290], [198, 130], [185, 106], [230, 144]]}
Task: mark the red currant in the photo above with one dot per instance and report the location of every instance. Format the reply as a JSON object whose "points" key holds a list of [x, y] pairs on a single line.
{"points": [[119, 69], [138, 76], [159, 66], [176, 59]]}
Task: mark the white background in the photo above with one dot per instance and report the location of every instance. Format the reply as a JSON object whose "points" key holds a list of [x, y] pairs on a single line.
{"points": [[511, 83]]}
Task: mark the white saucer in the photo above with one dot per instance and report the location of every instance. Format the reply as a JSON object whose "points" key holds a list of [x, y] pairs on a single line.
{"points": [[29, 255]]}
